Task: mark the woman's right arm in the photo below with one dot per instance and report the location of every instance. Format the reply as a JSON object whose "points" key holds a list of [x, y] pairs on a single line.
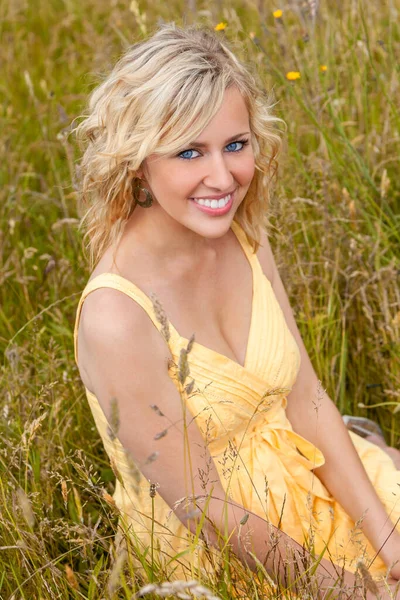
{"points": [[127, 358]]}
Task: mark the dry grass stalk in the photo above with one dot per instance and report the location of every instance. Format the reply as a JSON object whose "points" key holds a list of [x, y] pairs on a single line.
{"points": [[185, 590], [113, 581]]}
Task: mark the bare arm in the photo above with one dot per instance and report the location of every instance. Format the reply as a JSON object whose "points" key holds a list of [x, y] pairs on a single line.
{"points": [[314, 416], [128, 361]]}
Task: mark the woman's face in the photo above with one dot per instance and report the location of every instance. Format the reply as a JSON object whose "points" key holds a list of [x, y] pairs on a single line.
{"points": [[217, 169]]}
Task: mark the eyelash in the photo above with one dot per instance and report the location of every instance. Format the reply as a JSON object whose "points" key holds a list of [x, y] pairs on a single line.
{"points": [[243, 142]]}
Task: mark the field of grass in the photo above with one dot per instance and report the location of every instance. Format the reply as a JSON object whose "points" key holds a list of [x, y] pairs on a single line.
{"points": [[335, 229]]}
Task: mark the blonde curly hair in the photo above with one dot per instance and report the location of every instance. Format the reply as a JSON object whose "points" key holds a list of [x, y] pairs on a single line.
{"points": [[158, 97]]}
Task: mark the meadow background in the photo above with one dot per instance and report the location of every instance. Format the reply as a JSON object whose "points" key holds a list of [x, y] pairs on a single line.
{"points": [[335, 230]]}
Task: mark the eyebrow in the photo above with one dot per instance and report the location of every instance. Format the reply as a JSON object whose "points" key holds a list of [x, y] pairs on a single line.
{"points": [[231, 139]]}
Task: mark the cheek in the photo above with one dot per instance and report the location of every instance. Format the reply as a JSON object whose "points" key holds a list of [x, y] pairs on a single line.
{"points": [[167, 179], [247, 169], [181, 177]]}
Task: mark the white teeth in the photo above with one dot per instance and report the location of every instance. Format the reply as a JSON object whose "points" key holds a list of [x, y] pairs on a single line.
{"points": [[213, 203]]}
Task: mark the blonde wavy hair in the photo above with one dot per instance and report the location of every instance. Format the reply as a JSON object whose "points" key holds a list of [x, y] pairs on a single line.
{"points": [[158, 97]]}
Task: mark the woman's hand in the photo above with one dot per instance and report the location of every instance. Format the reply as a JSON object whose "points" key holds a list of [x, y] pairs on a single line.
{"points": [[395, 572], [393, 452], [394, 586]]}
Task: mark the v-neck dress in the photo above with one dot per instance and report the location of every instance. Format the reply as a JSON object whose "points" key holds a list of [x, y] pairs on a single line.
{"points": [[262, 463]]}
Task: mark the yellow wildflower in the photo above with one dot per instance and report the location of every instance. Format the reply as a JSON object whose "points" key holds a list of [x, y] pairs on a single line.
{"points": [[277, 13], [323, 68], [293, 75], [220, 27]]}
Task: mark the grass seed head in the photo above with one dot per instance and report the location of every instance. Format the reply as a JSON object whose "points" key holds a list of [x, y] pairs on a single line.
{"points": [[179, 589], [26, 507], [368, 582], [64, 491], [70, 575], [183, 366], [108, 498], [161, 317]]}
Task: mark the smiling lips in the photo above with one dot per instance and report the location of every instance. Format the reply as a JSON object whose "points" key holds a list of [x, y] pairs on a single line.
{"points": [[214, 201], [213, 207]]}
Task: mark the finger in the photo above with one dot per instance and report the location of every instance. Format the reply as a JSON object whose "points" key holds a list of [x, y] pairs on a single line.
{"points": [[377, 440]]}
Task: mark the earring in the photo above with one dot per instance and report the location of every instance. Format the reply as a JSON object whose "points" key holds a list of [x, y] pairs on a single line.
{"points": [[136, 194]]}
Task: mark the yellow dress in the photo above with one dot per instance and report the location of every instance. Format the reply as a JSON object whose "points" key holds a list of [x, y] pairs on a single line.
{"points": [[241, 412]]}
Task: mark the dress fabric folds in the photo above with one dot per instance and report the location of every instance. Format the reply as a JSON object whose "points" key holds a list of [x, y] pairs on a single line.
{"points": [[262, 463]]}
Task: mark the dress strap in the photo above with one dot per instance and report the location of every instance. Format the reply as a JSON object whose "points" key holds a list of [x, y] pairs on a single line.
{"points": [[247, 248], [117, 282]]}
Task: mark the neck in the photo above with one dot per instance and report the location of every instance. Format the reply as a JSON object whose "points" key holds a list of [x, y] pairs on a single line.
{"points": [[166, 239]]}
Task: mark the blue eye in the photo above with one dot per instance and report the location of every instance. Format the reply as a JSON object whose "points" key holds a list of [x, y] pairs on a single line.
{"points": [[236, 146], [240, 143], [186, 152]]}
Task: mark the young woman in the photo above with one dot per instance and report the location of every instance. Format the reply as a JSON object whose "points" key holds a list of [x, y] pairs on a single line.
{"points": [[181, 149]]}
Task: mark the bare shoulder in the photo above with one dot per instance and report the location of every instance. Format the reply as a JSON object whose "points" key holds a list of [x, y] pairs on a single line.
{"points": [[109, 311], [113, 323], [266, 257]]}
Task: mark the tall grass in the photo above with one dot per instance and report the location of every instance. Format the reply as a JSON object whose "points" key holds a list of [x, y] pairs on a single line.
{"points": [[334, 227]]}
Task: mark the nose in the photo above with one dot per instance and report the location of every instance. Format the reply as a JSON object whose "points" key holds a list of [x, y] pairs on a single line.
{"points": [[219, 175]]}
